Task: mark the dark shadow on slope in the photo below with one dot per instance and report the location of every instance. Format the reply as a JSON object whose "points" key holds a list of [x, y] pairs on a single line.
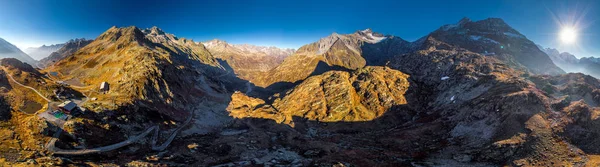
{"points": [[398, 137], [5, 109], [225, 65], [378, 54], [4, 81]]}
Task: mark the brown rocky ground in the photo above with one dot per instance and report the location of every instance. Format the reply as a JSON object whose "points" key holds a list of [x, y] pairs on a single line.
{"points": [[334, 96]]}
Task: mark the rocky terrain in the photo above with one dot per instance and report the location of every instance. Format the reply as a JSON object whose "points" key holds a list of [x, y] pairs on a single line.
{"points": [[474, 93], [335, 52], [361, 95]]}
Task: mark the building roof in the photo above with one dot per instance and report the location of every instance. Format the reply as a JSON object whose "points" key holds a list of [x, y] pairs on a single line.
{"points": [[104, 85], [68, 105]]}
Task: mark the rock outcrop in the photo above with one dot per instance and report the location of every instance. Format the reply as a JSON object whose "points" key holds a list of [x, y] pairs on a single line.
{"points": [[336, 96]]}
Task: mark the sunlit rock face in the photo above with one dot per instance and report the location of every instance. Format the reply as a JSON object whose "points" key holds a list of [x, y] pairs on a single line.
{"points": [[334, 52], [335, 96], [146, 68]]}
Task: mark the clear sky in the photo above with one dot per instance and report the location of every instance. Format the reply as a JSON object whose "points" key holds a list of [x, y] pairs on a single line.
{"points": [[289, 23]]}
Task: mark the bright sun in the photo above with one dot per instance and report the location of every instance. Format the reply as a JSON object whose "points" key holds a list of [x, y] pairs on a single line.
{"points": [[568, 35]]}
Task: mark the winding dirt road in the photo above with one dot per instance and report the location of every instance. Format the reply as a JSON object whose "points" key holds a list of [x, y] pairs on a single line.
{"points": [[28, 87], [51, 144]]}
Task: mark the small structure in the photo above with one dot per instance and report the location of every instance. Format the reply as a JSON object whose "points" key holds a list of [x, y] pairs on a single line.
{"points": [[104, 87], [67, 106], [59, 115]]}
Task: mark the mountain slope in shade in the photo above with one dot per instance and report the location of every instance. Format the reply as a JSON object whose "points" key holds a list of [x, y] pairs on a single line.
{"points": [[66, 49], [44, 51], [570, 63], [8, 50], [247, 60], [350, 51], [145, 68], [493, 37]]}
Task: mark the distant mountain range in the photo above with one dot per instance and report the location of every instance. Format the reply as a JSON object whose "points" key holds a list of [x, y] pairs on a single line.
{"points": [[247, 60], [8, 50], [570, 63], [66, 49], [43, 51]]}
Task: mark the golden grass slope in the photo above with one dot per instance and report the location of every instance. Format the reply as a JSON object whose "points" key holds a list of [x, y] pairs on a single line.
{"points": [[148, 68]]}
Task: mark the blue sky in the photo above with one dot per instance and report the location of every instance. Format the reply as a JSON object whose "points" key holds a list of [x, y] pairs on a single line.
{"points": [[291, 24]]}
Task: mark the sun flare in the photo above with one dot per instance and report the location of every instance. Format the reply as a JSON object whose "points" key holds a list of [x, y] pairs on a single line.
{"points": [[568, 35]]}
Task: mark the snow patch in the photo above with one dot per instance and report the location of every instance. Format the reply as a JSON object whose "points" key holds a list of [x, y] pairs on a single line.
{"points": [[449, 27], [445, 78], [370, 38], [475, 37], [510, 34], [486, 53]]}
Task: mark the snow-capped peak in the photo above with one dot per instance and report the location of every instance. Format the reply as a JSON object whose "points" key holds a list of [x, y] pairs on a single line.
{"points": [[368, 36], [368, 30]]}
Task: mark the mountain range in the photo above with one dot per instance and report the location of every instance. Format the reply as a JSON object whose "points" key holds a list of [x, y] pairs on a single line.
{"points": [[8, 50], [43, 51], [247, 60], [473, 93], [65, 50], [572, 64]]}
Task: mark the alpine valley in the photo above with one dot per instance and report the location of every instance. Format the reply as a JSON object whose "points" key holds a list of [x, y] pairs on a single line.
{"points": [[473, 93]]}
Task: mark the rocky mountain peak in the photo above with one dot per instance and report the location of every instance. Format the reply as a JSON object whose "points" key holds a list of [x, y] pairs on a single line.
{"points": [[78, 40], [65, 50], [42, 51], [131, 33], [215, 43], [154, 31], [464, 21], [366, 31], [369, 36], [492, 37]]}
